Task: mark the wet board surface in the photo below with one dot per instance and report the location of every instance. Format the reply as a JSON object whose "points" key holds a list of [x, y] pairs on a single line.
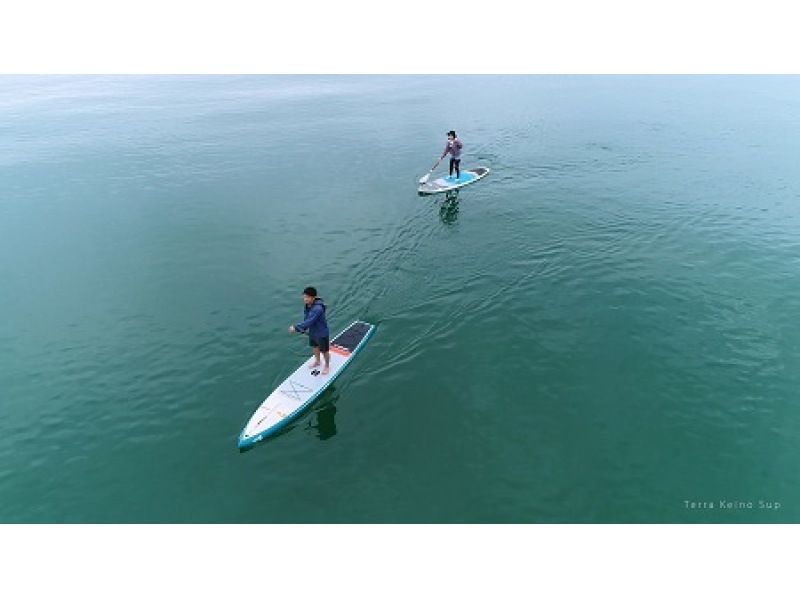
{"points": [[448, 183], [297, 393]]}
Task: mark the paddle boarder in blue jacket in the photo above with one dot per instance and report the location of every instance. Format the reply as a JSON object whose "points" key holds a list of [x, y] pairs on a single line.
{"points": [[315, 324]]}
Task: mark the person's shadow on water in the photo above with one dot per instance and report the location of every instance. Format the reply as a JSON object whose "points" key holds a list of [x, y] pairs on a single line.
{"points": [[324, 415], [448, 212]]}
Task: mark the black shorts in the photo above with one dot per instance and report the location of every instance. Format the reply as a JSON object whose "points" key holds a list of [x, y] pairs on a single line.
{"points": [[322, 342]]}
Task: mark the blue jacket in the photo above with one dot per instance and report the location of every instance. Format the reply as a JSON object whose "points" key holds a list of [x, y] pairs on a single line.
{"points": [[314, 322]]}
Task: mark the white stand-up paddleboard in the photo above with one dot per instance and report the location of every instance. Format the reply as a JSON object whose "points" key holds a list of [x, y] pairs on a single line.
{"points": [[304, 386], [448, 183]]}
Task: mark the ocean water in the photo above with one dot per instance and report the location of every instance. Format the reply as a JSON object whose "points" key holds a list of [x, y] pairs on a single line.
{"points": [[602, 330]]}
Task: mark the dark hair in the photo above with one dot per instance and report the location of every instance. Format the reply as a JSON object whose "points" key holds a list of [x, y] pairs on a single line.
{"points": [[310, 291], [453, 133]]}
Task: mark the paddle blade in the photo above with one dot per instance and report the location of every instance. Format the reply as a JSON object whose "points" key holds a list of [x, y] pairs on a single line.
{"points": [[425, 178]]}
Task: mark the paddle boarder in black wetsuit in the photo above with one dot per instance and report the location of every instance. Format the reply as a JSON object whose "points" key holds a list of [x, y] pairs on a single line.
{"points": [[453, 147]]}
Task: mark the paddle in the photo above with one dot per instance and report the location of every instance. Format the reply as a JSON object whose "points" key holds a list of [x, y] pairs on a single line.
{"points": [[425, 178]]}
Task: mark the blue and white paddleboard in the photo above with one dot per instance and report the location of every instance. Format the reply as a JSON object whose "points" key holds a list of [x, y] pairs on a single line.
{"points": [[448, 183], [303, 387]]}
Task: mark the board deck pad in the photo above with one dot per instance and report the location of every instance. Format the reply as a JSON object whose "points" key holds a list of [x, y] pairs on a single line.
{"points": [[350, 337], [295, 394], [448, 183]]}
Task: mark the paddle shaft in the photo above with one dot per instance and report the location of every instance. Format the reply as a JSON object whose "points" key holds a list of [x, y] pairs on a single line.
{"points": [[425, 178]]}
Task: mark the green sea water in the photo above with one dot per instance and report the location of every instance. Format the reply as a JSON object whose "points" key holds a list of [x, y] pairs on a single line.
{"points": [[602, 330]]}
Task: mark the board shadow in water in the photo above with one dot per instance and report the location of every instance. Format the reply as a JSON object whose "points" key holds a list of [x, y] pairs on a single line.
{"points": [[320, 417]]}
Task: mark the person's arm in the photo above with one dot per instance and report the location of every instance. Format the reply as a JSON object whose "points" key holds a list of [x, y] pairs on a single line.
{"points": [[313, 315], [446, 149]]}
